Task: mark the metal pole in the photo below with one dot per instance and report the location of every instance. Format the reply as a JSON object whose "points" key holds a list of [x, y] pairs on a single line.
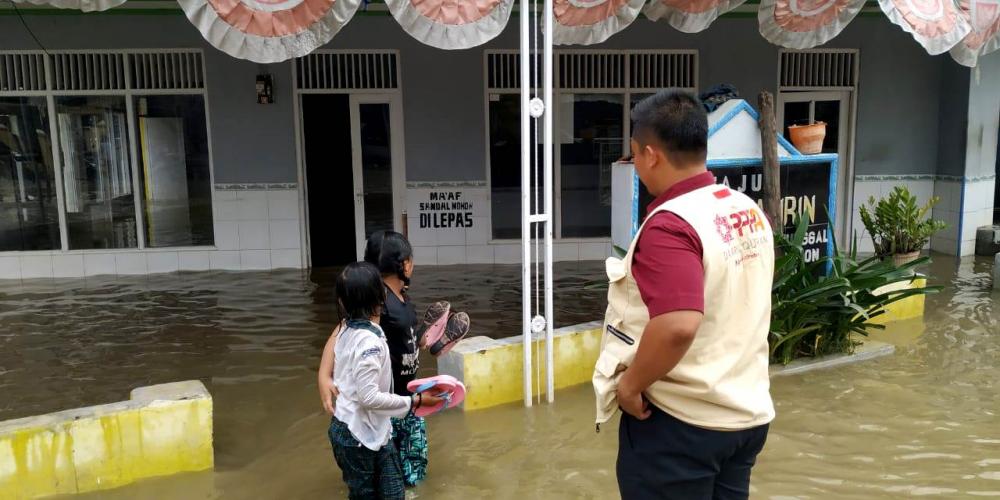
{"points": [[526, 145], [547, 167]]}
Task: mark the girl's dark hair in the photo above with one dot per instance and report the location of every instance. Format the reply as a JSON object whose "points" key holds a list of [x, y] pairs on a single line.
{"points": [[388, 251], [360, 292]]}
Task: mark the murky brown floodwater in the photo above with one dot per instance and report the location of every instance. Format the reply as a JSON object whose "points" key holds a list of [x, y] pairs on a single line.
{"points": [[923, 421]]}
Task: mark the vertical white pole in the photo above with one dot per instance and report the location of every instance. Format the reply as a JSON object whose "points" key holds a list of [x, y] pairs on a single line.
{"points": [[547, 144], [526, 145]]}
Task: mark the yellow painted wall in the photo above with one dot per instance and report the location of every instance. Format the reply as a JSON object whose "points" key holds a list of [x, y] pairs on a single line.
{"points": [[908, 308], [493, 376], [162, 430]]}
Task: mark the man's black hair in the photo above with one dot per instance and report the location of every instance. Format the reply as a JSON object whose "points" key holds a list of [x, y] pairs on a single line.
{"points": [[360, 292], [676, 121], [388, 251]]}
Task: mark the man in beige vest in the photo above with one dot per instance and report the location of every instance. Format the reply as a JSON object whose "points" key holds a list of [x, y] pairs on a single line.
{"points": [[684, 352]]}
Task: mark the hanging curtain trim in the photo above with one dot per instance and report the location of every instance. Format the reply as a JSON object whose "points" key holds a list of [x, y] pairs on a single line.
{"points": [[587, 22], [268, 31], [800, 24], [82, 5], [936, 25], [984, 18], [451, 25], [689, 16]]}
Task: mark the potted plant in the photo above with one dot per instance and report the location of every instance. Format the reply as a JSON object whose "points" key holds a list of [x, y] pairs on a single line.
{"points": [[899, 227], [808, 138]]}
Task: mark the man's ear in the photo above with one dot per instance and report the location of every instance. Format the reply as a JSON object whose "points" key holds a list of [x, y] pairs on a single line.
{"points": [[652, 154]]}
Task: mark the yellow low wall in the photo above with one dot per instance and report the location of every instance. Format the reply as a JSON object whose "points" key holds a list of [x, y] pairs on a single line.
{"points": [[908, 308], [492, 369], [161, 430]]}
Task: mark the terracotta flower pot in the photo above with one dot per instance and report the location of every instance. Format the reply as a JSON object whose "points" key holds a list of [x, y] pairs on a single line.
{"points": [[808, 139], [900, 259]]}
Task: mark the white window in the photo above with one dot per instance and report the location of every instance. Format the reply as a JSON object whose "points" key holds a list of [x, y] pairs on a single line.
{"points": [[104, 149], [595, 91]]}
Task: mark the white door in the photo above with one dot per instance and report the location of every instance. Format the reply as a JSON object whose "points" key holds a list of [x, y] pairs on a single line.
{"points": [[376, 149], [833, 108]]}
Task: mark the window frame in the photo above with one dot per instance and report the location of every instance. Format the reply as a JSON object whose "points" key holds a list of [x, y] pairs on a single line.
{"points": [[629, 87], [129, 92], [841, 83]]}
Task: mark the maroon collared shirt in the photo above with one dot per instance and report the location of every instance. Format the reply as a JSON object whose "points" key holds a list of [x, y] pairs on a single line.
{"points": [[667, 263]]}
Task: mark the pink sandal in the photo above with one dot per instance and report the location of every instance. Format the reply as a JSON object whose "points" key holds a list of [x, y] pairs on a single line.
{"points": [[434, 323], [446, 387]]}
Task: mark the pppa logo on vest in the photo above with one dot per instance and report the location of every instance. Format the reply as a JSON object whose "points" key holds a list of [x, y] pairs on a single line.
{"points": [[748, 221]]}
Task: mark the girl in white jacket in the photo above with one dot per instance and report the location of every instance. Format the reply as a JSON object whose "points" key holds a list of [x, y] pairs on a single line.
{"points": [[360, 431]]}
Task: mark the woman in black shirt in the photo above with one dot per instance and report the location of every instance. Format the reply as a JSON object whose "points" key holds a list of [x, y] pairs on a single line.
{"points": [[393, 255]]}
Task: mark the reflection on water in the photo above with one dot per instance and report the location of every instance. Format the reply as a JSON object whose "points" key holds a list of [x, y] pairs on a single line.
{"points": [[922, 422]]}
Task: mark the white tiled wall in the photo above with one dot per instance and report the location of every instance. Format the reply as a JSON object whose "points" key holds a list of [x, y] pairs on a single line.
{"points": [[977, 210], [508, 252], [194, 261], [256, 228], [69, 266], [966, 205], [865, 187], [474, 245], [948, 210]]}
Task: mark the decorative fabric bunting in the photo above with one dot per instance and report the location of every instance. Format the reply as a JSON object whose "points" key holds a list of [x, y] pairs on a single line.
{"points": [[804, 24], [937, 25], [689, 16], [452, 24], [984, 18], [267, 31], [83, 5], [587, 22]]}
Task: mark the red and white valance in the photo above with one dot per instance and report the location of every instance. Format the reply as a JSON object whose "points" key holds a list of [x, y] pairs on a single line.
{"points": [[82, 5], [937, 25], [983, 17], [804, 24], [277, 30], [267, 31], [586, 22], [452, 24], [689, 16]]}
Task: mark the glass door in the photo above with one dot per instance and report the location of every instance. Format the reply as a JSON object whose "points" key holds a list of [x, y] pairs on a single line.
{"points": [[834, 109], [375, 152]]}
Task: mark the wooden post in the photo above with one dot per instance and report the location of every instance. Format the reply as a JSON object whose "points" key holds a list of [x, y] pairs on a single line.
{"points": [[769, 153]]}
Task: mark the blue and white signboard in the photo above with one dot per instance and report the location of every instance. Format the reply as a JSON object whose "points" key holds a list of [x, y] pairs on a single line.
{"points": [[808, 182]]}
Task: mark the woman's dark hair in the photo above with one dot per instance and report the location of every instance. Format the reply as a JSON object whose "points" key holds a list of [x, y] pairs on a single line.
{"points": [[360, 292], [388, 251]]}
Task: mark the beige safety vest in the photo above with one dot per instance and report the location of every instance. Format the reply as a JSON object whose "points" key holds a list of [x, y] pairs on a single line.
{"points": [[722, 381]]}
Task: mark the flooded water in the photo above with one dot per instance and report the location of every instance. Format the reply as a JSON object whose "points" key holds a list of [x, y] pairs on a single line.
{"points": [[921, 422]]}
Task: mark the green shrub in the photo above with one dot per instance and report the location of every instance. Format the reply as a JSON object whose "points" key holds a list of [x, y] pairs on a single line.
{"points": [[818, 307], [897, 224]]}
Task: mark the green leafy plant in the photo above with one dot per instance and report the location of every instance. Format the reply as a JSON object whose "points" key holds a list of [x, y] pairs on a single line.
{"points": [[818, 308], [897, 224]]}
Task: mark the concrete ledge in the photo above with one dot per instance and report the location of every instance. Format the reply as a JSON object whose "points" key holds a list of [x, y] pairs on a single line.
{"points": [[870, 349], [491, 369], [161, 430], [908, 308]]}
